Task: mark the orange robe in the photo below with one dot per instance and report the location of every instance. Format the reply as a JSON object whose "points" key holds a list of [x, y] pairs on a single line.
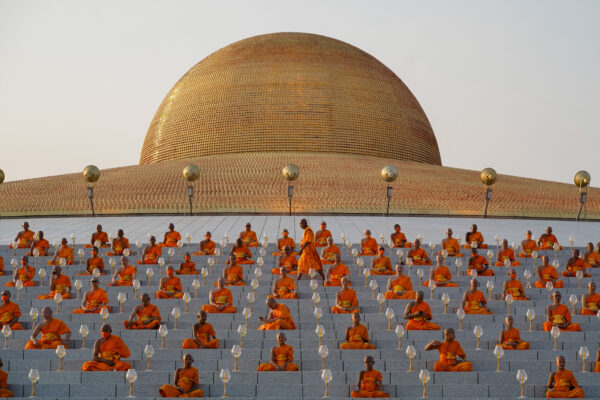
{"points": [[398, 285], [60, 286], [187, 268], [510, 255], [113, 349], [94, 262], [309, 258], [152, 255], [529, 247], [234, 276], [448, 354], [382, 266], [119, 245], [336, 275], [452, 246], [51, 335], [593, 302], [25, 275], [547, 242], [288, 241], [7, 313], [478, 263], [419, 257], [513, 335], [243, 255], [473, 304], [249, 238], [515, 288], [221, 297], [475, 237], [563, 381], [288, 262], [329, 254], [171, 285], [441, 276], [25, 240], [187, 378], [420, 323], [1, 266], [171, 240], [549, 273], [206, 248], [283, 354], [358, 338], [560, 315], [322, 238], [94, 299], [149, 311], [369, 247], [126, 276], [347, 299], [102, 237], [204, 335], [65, 252], [42, 245], [571, 271], [368, 386], [285, 288], [400, 238], [283, 319], [4, 392]]}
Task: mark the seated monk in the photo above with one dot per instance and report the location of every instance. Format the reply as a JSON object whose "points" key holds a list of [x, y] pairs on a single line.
{"points": [[109, 352], [1, 266], [93, 262], [185, 381], [368, 245], [451, 245], [119, 244], [94, 300], [322, 235], [65, 252], [528, 246], [418, 255], [288, 260], [284, 287], [558, 315], [547, 273], [207, 246], [59, 283], [203, 335], [248, 236], [590, 302], [479, 264], [335, 273], [591, 256], [381, 265], [547, 240], [151, 253], [278, 317], [473, 301], [25, 274], [506, 253], [98, 236], [399, 286], [452, 356], [52, 330], [170, 286], [41, 244], [419, 315], [144, 315], [220, 300], [399, 238], [187, 267], [597, 367], [440, 274], [309, 258], [328, 252], [171, 238], [562, 383], [345, 299], [125, 274], [575, 264], [233, 274], [510, 338], [514, 287], [283, 241], [9, 313], [4, 392], [474, 239], [242, 253], [282, 357], [24, 238], [357, 336], [369, 382]]}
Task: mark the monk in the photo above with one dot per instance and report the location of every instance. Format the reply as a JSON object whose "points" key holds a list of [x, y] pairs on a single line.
{"points": [[399, 238], [591, 256], [597, 367], [171, 237], [479, 264], [278, 318], [547, 240], [151, 253], [1, 266], [368, 245], [369, 382], [125, 274], [506, 253], [547, 273], [59, 283], [288, 260], [322, 235], [381, 265], [119, 244], [440, 274], [241, 252], [451, 245], [562, 383], [284, 287], [41, 244], [282, 357], [283, 241], [558, 314], [345, 299], [207, 246], [203, 335], [474, 239], [25, 274], [144, 315], [335, 273], [220, 300], [4, 392], [418, 255], [233, 274], [473, 301], [528, 246], [514, 287], [65, 252], [94, 300], [170, 286], [452, 356], [328, 252], [510, 338], [248, 236], [309, 258], [52, 330], [10, 313], [187, 267], [574, 264], [590, 302], [357, 336], [98, 236], [185, 381], [419, 315], [109, 351], [24, 238], [399, 286], [93, 262]]}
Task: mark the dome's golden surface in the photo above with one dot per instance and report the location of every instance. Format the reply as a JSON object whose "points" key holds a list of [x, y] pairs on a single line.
{"points": [[290, 92]]}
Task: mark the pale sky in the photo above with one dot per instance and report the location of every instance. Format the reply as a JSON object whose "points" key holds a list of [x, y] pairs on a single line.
{"points": [[509, 84]]}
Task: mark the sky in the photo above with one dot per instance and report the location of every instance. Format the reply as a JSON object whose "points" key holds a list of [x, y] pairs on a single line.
{"points": [[511, 85]]}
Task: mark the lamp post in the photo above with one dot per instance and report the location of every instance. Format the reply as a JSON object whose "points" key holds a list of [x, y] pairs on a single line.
{"points": [[389, 174], [582, 180], [488, 177], [290, 173], [91, 174], [191, 173], [2, 176]]}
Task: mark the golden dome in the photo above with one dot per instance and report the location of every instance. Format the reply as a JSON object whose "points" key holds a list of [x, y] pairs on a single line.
{"points": [[295, 92]]}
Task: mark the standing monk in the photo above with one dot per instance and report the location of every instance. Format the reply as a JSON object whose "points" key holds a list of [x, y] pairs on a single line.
{"points": [[514, 287], [309, 258], [242, 253], [440, 275], [203, 335], [170, 286], [185, 381], [399, 238], [328, 252], [528, 246], [284, 241], [25, 274], [562, 383], [479, 264], [278, 318], [575, 264], [345, 299], [248, 236], [547, 273], [187, 267], [357, 336], [369, 382], [59, 283], [452, 356], [94, 300], [418, 255], [144, 315], [98, 236], [151, 253], [591, 256], [322, 235], [94, 262], [335, 273], [109, 351], [473, 301], [41, 244], [558, 314], [590, 302], [399, 286], [9, 313], [284, 287], [52, 330], [125, 274], [474, 239], [510, 338], [451, 245], [506, 253], [419, 315], [381, 265], [207, 246], [220, 300], [547, 240], [65, 252], [24, 238], [171, 237], [282, 357], [119, 244]]}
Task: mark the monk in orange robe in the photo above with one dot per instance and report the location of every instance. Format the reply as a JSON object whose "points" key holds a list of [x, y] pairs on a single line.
{"points": [[322, 235], [24, 239], [4, 392], [506, 253], [94, 300], [207, 246], [119, 244], [328, 253], [25, 274], [248, 236], [283, 241], [203, 335], [242, 253], [558, 314], [381, 265], [419, 315], [284, 287], [187, 267], [279, 317], [144, 315], [479, 264], [597, 367], [151, 253], [59, 283], [591, 256], [575, 264], [65, 252], [335, 273], [440, 275], [109, 352], [357, 336], [451, 245], [369, 382], [590, 302], [287, 260], [185, 381], [368, 245], [171, 237], [52, 330], [309, 258], [125, 274], [1, 266], [9, 313], [510, 338], [98, 236], [282, 357], [452, 356], [399, 286], [93, 262], [220, 300], [233, 274], [547, 273], [399, 238], [345, 299], [562, 383], [528, 246], [473, 301], [514, 287], [474, 237], [418, 255], [170, 286], [41, 244], [547, 240]]}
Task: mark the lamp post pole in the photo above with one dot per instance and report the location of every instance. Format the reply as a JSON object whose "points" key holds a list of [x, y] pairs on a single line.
{"points": [[191, 173], [389, 174], [582, 180], [290, 173], [91, 174], [488, 177]]}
